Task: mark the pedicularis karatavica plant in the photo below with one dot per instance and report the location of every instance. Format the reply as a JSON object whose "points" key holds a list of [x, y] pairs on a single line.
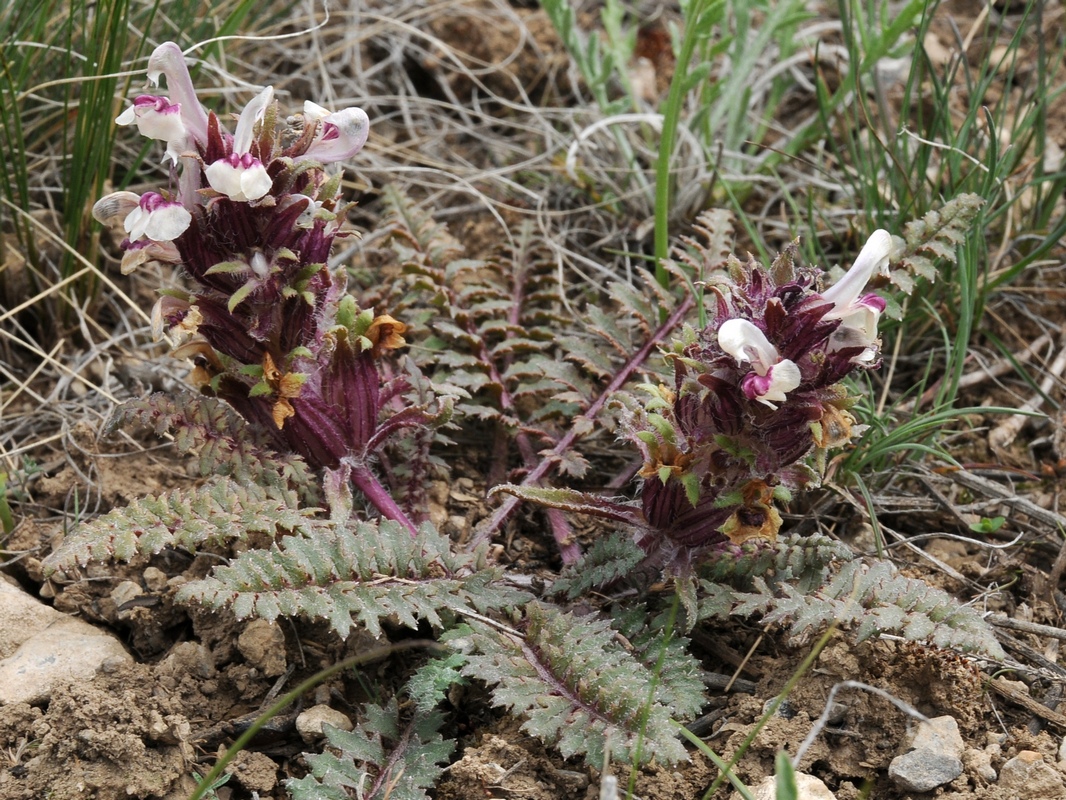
{"points": [[757, 401], [300, 402], [250, 218]]}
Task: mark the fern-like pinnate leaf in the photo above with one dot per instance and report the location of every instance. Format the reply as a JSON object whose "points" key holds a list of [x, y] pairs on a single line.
{"points": [[577, 687], [217, 512], [680, 676], [429, 685], [805, 561], [381, 759], [870, 599], [224, 443], [496, 323], [356, 574], [934, 238], [609, 559]]}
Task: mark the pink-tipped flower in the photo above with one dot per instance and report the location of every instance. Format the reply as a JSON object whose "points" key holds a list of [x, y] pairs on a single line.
{"points": [[158, 118], [858, 313], [157, 218], [149, 216], [240, 175], [341, 134], [168, 61], [772, 377]]}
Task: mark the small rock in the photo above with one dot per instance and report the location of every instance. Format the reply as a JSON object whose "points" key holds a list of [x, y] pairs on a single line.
{"points": [[262, 644], [1028, 777], [155, 580], [933, 758], [309, 723], [940, 734], [808, 788], [69, 649], [124, 593], [188, 658], [979, 763], [256, 772]]}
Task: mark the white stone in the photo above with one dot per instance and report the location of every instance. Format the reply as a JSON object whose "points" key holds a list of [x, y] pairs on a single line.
{"points": [[979, 763], [21, 616], [67, 650], [309, 723], [808, 788]]}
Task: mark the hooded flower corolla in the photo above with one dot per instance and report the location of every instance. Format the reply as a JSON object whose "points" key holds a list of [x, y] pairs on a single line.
{"points": [[340, 136], [240, 175], [168, 61], [773, 377], [858, 313], [148, 216]]}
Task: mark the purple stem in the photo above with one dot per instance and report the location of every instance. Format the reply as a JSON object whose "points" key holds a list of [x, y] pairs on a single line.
{"points": [[367, 483], [569, 550], [490, 527]]}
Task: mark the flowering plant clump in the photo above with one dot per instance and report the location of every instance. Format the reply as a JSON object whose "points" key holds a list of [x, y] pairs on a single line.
{"points": [[250, 218], [757, 401]]}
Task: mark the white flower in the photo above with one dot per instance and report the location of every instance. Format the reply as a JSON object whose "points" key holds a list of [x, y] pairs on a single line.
{"points": [[168, 60], [158, 118], [773, 377], [157, 218], [180, 122], [240, 175], [341, 134], [858, 315], [149, 216]]}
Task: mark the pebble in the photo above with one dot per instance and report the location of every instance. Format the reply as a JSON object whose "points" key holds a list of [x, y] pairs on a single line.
{"points": [[155, 580], [262, 644], [1028, 777], [979, 763], [68, 649], [808, 788], [256, 772], [189, 658], [309, 723], [124, 593], [933, 757]]}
